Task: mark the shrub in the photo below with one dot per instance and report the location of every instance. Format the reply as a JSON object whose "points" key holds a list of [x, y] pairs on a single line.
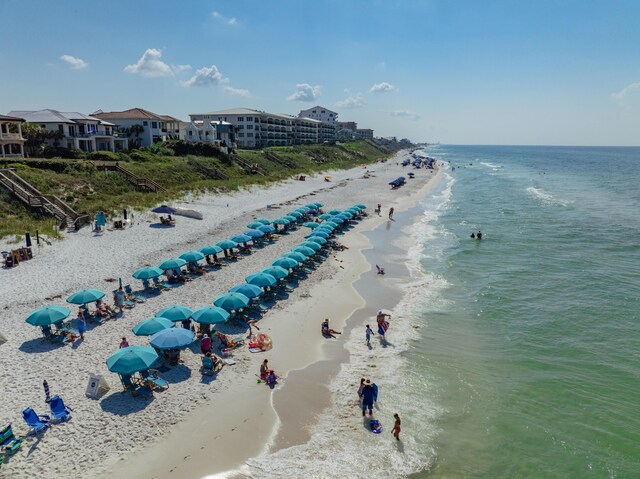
{"points": [[159, 148], [141, 155], [60, 152], [103, 156]]}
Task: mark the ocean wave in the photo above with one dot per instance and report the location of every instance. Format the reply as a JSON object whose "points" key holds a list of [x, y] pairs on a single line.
{"points": [[545, 197], [492, 166]]}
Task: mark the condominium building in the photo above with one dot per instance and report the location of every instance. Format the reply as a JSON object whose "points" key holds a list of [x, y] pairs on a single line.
{"points": [[254, 128], [143, 128], [11, 141], [211, 131], [364, 134], [76, 130], [319, 113]]}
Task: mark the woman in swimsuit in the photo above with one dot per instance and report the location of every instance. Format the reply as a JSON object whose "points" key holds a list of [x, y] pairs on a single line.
{"points": [[396, 427]]}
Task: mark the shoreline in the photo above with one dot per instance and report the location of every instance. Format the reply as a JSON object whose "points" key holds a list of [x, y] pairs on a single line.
{"points": [[71, 449]]}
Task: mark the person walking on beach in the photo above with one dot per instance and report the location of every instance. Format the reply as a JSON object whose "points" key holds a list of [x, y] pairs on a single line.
{"points": [[361, 388], [368, 394], [47, 394], [396, 427], [119, 298], [379, 209], [391, 210], [124, 343], [82, 324], [383, 325], [368, 332]]}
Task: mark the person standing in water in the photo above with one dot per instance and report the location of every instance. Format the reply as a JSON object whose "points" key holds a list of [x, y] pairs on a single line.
{"points": [[396, 427], [368, 332], [391, 210]]}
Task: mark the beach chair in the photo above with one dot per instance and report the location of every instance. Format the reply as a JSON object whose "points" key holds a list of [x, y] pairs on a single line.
{"points": [[128, 385], [161, 284], [59, 410], [37, 423], [131, 296], [207, 366], [92, 317], [151, 375], [9, 443]]}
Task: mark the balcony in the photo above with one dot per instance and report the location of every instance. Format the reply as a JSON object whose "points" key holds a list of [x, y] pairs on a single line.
{"points": [[93, 134], [11, 136]]}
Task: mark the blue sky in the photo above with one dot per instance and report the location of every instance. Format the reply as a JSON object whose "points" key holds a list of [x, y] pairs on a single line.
{"points": [[462, 72]]}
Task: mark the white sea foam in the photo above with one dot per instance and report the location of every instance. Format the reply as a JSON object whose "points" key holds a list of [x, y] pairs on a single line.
{"points": [[545, 197], [340, 444], [490, 165]]}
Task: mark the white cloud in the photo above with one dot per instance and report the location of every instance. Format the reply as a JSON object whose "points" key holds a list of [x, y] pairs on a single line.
{"points": [[352, 101], [206, 76], [381, 87], [237, 91], [74, 62], [150, 65], [629, 89], [305, 92], [406, 114], [233, 21], [180, 68]]}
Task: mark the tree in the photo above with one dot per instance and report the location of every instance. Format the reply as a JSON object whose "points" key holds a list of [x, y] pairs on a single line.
{"points": [[56, 136], [136, 130], [35, 137]]}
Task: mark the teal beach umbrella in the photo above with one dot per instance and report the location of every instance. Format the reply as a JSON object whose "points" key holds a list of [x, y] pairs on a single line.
{"points": [[316, 239], [281, 221], [249, 290], [277, 272], [325, 216], [312, 244], [48, 315], [266, 229], [231, 301], [254, 233], [311, 224], [172, 263], [261, 279], [85, 296], [148, 272], [305, 250], [150, 326], [296, 256], [210, 315], [211, 249], [284, 262], [192, 256], [241, 238], [175, 313], [254, 224], [264, 221], [132, 359], [227, 244], [172, 338]]}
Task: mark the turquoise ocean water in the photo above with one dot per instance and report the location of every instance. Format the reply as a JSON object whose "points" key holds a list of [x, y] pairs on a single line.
{"points": [[529, 357], [517, 356]]}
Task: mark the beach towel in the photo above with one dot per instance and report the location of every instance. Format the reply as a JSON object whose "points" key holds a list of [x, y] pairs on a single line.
{"points": [[383, 328]]}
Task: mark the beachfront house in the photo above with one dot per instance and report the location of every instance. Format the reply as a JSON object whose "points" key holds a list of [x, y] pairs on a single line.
{"points": [[75, 130], [143, 128], [319, 113], [217, 132], [11, 141]]}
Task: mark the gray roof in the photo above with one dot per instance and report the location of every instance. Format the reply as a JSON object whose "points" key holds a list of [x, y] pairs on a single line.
{"points": [[55, 116], [11, 118], [41, 116], [242, 111]]}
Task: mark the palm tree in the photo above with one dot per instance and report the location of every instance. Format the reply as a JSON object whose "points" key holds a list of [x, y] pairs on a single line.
{"points": [[136, 130]]}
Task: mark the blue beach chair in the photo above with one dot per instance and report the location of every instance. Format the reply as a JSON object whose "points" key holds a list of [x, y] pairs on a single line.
{"points": [[152, 375], [59, 410], [36, 423], [9, 444]]}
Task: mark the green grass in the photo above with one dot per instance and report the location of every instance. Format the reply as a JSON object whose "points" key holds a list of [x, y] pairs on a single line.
{"points": [[89, 190]]}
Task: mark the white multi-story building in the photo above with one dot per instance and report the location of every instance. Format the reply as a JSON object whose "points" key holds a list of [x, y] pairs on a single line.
{"points": [[319, 113], [144, 127], [253, 128], [11, 142], [84, 132], [210, 131]]}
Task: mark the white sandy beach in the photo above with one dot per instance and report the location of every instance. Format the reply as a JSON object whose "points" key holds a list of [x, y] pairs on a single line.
{"points": [[198, 426]]}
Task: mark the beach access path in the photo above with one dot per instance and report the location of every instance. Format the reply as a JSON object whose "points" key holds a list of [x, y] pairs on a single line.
{"points": [[107, 434]]}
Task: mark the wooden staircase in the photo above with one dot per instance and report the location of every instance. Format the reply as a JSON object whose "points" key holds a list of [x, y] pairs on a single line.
{"points": [[211, 172], [50, 204], [248, 167], [380, 148], [279, 160], [140, 182]]}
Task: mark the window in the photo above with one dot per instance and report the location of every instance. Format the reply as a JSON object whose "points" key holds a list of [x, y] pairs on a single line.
{"points": [[154, 124], [249, 118], [314, 111], [322, 111], [145, 123], [240, 127], [249, 127], [240, 118], [190, 133], [241, 135], [61, 128]]}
